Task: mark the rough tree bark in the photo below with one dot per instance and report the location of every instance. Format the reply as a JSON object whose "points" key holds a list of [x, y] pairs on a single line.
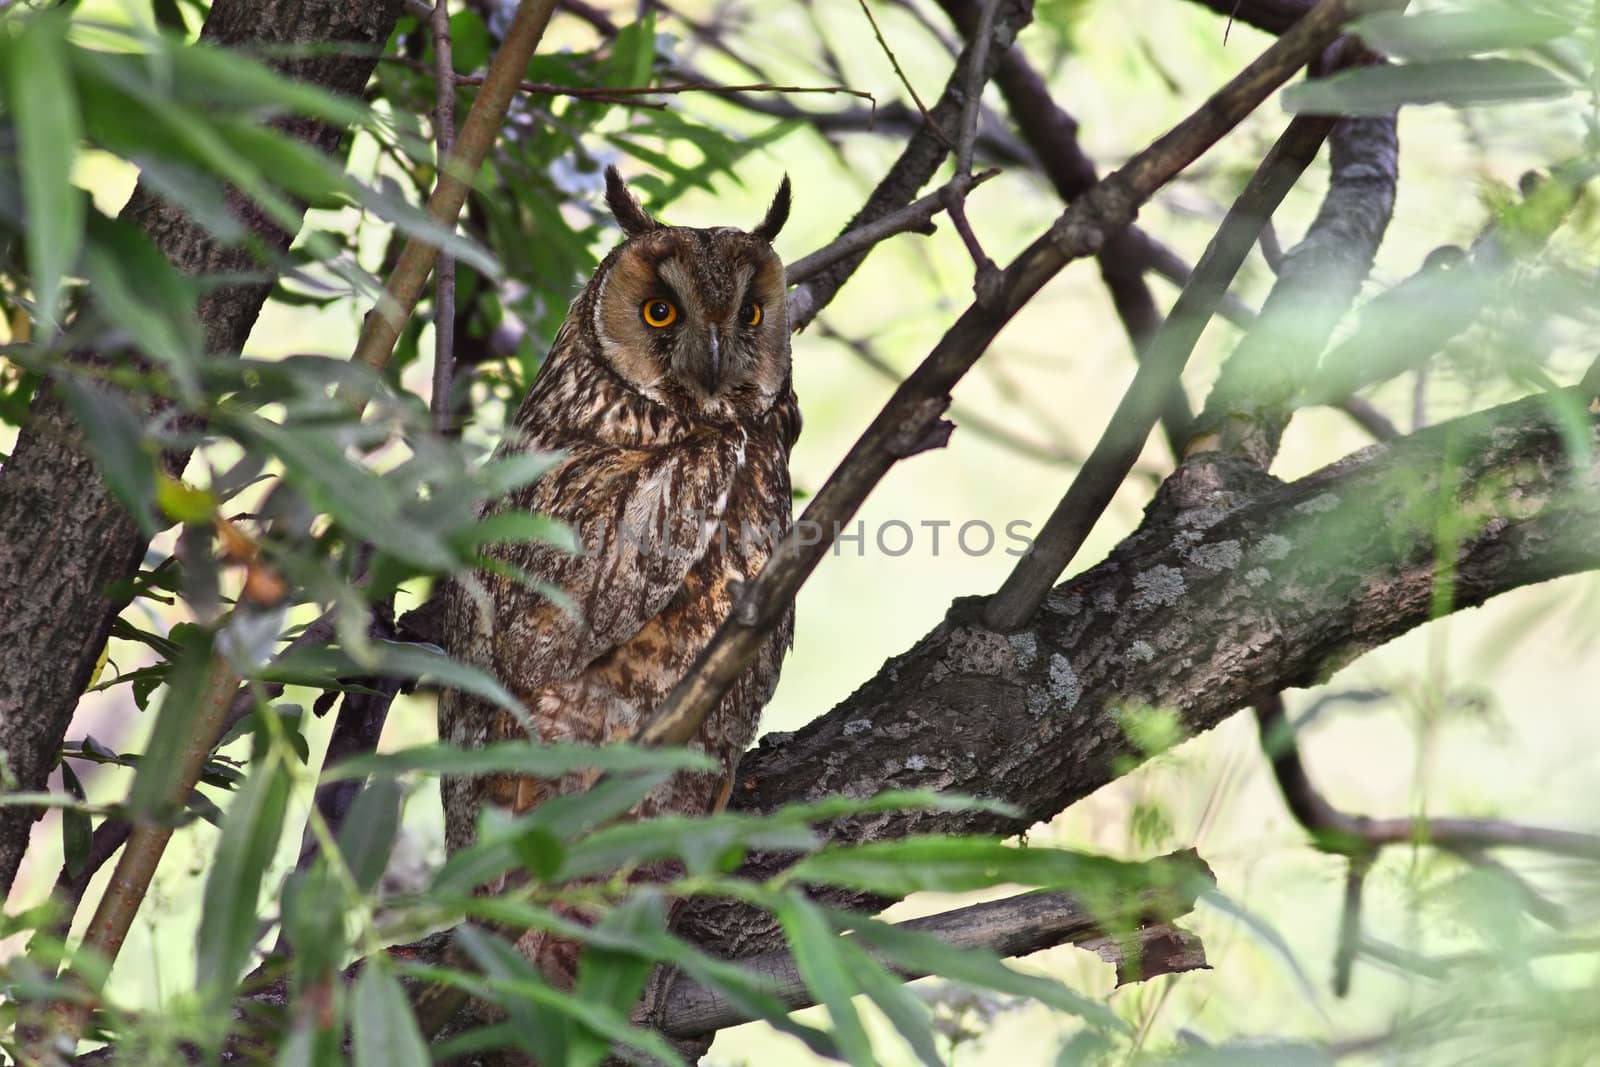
{"points": [[1235, 586], [63, 537]]}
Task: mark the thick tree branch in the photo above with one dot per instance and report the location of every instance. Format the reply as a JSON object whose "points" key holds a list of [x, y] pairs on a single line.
{"points": [[1235, 586]]}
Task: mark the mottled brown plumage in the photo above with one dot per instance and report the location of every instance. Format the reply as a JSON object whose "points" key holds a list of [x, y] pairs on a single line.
{"points": [[674, 475]]}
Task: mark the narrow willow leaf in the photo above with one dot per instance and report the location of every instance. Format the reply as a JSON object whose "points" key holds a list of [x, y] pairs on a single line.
{"points": [[818, 958], [706, 844], [115, 438], [162, 760], [951, 864], [612, 979], [44, 106], [368, 834], [385, 1031], [517, 757], [497, 847], [1457, 82], [138, 291], [748, 991], [1450, 34], [323, 666], [923, 953], [229, 923], [909, 1015], [77, 829], [519, 987]]}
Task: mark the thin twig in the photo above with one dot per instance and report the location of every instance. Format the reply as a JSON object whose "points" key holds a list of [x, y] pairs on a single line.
{"points": [[916, 216], [895, 63], [911, 421], [442, 405], [982, 40], [1359, 838], [1160, 372], [965, 418], [623, 93], [383, 324]]}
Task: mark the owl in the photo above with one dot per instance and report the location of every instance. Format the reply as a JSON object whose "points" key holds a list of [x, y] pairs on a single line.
{"points": [[668, 397]]}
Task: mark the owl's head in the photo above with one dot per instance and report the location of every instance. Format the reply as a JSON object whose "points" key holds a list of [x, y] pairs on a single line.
{"points": [[693, 318]]}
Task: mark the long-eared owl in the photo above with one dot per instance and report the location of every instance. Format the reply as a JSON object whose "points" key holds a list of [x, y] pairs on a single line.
{"points": [[668, 396]]}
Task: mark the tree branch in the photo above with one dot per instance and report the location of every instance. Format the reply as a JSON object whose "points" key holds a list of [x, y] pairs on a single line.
{"points": [[1235, 585], [383, 324], [1015, 926], [1359, 838], [1319, 280], [1159, 375], [911, 419]]}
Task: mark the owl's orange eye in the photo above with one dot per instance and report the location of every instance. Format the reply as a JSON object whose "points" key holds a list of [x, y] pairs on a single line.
{"points": [[750, 313], [659, 313]]}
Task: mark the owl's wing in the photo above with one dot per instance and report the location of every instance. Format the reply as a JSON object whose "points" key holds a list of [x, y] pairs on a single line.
{"points": [[642, 517]]}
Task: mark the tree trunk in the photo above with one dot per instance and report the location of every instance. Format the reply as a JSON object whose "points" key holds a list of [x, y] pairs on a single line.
{"points": [[63, 537]]}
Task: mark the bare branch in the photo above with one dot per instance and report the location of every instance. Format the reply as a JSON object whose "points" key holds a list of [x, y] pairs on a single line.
{"points": [[384, 323], [1015, 926], [442, 403], [1359, 838], [916, 216], [1320, 278]]}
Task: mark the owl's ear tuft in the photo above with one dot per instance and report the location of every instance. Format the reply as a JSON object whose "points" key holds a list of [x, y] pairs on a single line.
{"points": [[777, 214], [625, 207]]}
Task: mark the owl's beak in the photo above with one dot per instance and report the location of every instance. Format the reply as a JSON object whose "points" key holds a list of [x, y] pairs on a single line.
{"points": [[711, 370]]}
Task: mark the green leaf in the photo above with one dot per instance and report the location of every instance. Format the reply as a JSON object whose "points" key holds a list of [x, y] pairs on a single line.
{"points": [[44, 107], [613, 979], [909, 1015], [514, 527], [385, 1031], [818, 959], [182, 502], [746, 990], [77, 829], [358, 499], [229, 924], [137, 290], [706, 844], [163, 757], [1448, 34], [953, 865], [517, 986], [917, 952], [469, 42], [368, 834], [114, 436], [496, 849], [1457, 82], [520, 757]]}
